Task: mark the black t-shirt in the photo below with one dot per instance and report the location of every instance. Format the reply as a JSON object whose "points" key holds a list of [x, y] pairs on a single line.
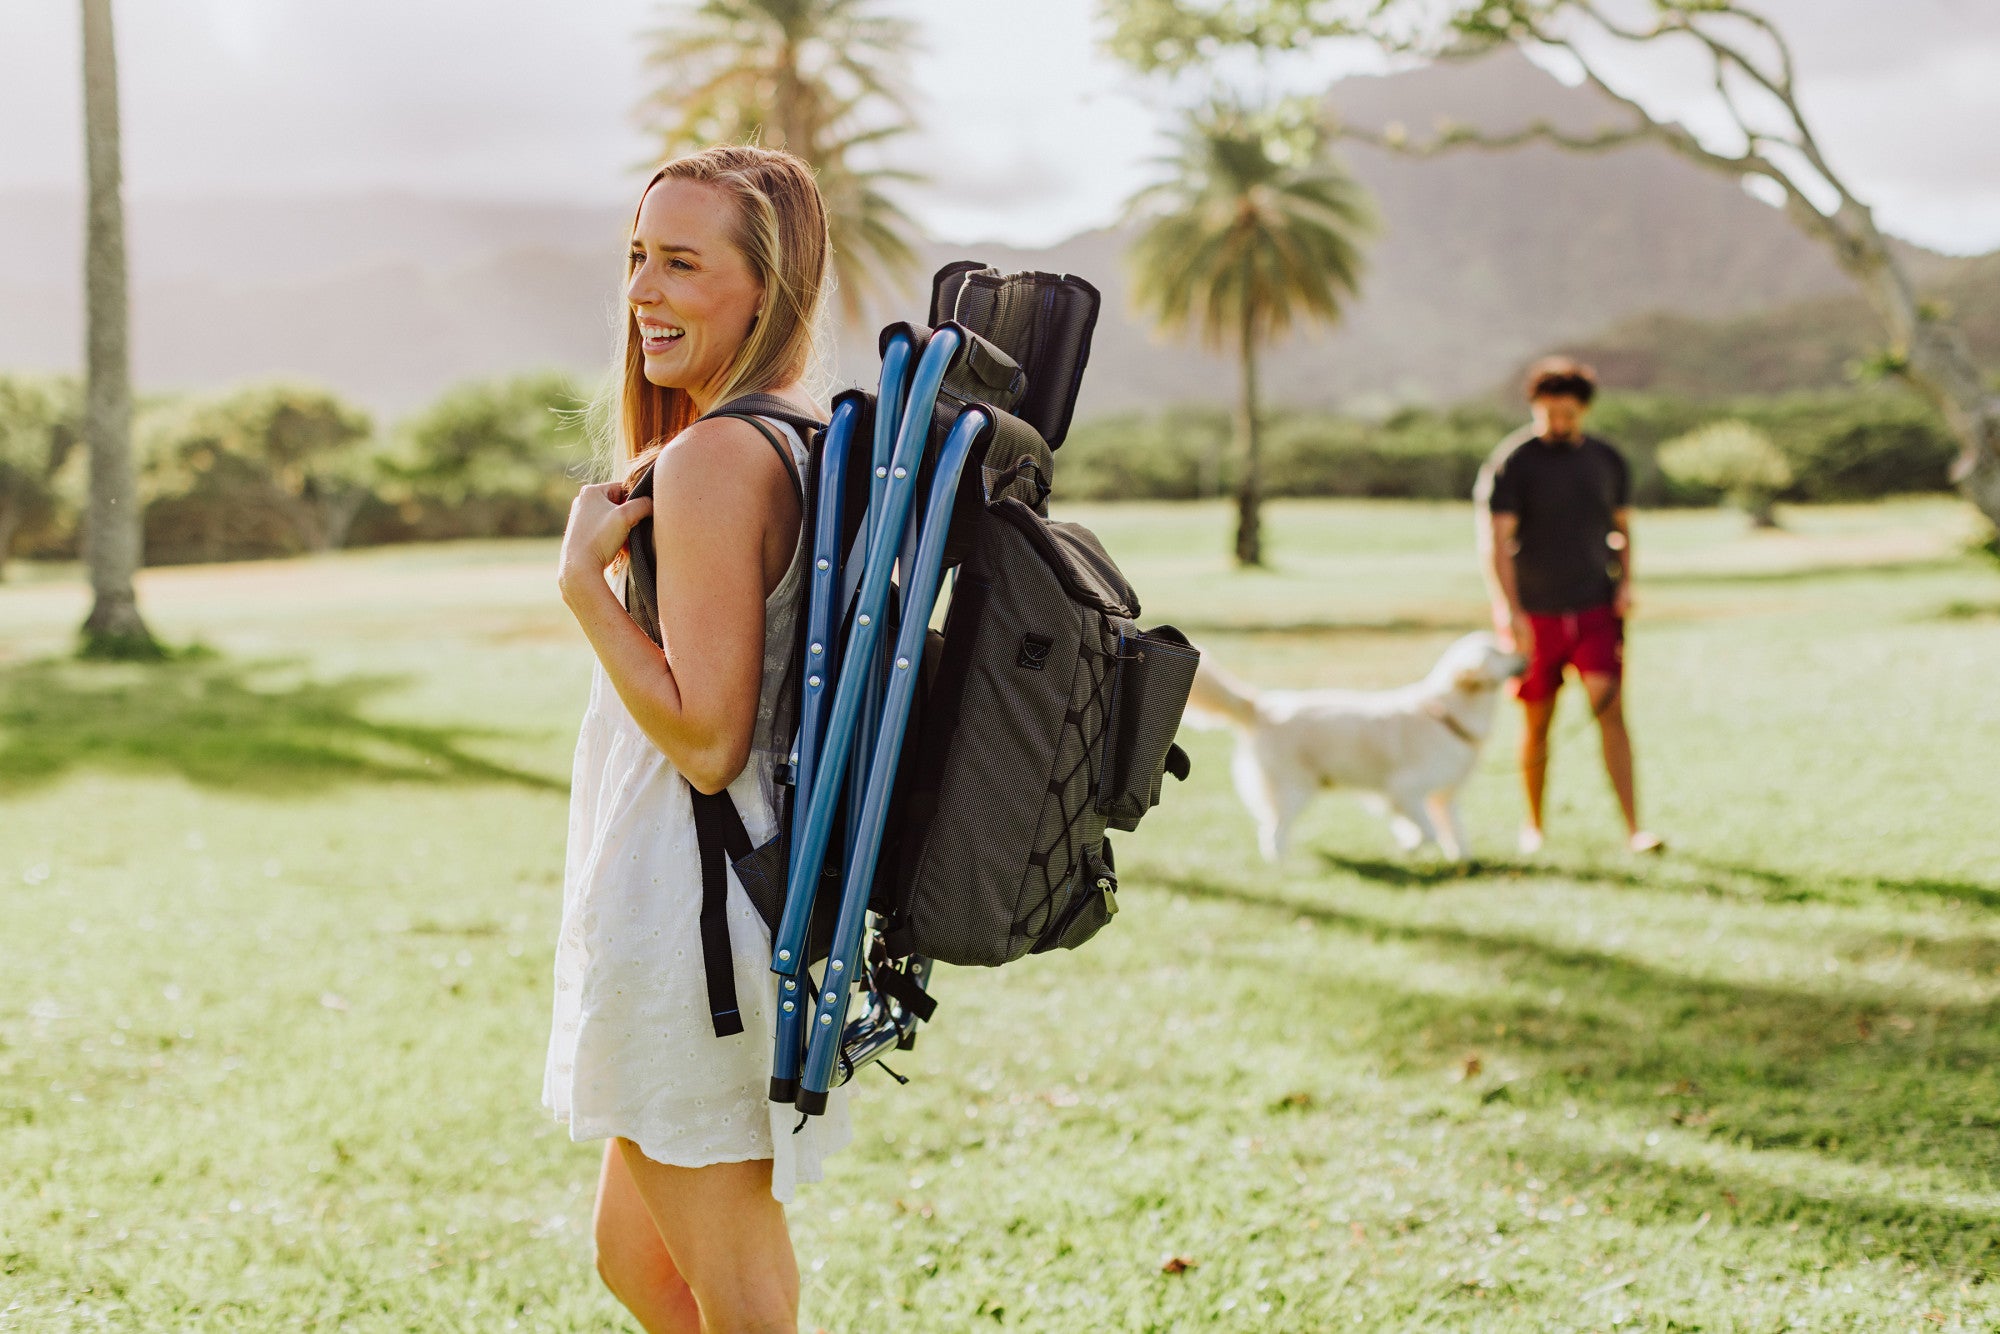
{"points": [[1564, 496]]}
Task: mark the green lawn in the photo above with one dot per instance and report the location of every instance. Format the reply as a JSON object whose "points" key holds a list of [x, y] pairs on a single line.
{"points": [[274, 974]]}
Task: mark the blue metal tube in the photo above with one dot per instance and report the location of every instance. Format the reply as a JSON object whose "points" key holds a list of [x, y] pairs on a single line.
{"points": [[810, 834], [830, 1018], [822, 662], [823, 587], [888, 421], [889, 398]]}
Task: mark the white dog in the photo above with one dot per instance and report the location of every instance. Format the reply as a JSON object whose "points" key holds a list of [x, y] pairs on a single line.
{"points": [[1411, 748]]}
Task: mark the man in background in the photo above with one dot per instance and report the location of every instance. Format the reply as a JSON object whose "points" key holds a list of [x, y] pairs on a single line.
{"points": [[1553, 514]]}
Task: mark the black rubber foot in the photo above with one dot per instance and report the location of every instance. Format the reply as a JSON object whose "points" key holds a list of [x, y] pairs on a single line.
{"points": [[784, 1090], [812, 1104], [907, 1041]]}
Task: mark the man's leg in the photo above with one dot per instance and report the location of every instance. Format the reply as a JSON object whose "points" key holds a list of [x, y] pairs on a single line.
{"points": [[1536, 689], [1607, 703], [1536, 715]]}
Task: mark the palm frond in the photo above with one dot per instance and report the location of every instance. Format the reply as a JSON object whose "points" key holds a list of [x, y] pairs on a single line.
{"points": [[821, 78], [1253, 221]]}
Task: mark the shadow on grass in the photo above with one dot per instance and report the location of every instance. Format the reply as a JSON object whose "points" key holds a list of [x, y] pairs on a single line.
{"points": [[1786, 885], [1709, 873], [261, 726], [1428, 874], [1891, 1083]]}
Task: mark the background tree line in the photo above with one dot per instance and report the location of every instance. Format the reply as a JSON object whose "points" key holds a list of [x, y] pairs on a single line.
{"points": [[280, 470], [284, 469], [1858, 444]]}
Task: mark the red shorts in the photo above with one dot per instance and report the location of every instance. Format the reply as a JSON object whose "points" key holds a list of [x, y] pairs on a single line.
{"points": [[1591, 640]]}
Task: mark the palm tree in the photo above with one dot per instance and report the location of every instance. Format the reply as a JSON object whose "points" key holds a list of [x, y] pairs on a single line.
{"points": [[114, 627], [1255, 227], [813, 77]]}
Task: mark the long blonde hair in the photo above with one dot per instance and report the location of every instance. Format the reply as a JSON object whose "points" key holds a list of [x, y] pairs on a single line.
{"points": [[781, 230]]}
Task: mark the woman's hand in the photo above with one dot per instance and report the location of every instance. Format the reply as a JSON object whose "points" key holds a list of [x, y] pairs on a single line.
{"points": [[600, 519]]}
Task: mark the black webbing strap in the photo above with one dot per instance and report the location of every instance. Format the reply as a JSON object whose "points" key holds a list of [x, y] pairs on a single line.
{"points": [[906, 990], [719, 832], [718, 825]]}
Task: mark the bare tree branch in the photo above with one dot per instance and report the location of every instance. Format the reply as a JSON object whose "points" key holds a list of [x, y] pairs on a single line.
{"points": [[1453, 135]]}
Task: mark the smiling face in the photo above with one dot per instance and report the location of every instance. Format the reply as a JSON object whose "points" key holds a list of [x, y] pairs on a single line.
{"points": [[691, 292]]}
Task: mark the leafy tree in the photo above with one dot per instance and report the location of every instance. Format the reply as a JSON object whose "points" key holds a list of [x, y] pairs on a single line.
{"points": [[114, 627], [283, 458], [814, 77], [1734, 459], [1752, 128], [38, 427], [1255, 227], [514, 446]]}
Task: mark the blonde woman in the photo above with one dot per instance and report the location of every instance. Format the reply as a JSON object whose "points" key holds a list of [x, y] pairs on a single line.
{"points": [[725, 283]]}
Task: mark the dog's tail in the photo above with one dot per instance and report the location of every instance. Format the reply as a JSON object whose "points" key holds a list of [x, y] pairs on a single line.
{"points": [[1219, 699]]}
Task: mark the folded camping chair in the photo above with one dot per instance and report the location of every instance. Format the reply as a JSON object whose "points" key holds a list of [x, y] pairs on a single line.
{"points": [[993, 379]]}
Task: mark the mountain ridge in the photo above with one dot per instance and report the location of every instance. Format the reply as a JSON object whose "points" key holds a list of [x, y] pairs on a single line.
{"points": [[390, 298]]}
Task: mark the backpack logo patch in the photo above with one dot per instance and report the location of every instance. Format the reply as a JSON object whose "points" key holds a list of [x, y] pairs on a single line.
{"points": [[1034, 654]]}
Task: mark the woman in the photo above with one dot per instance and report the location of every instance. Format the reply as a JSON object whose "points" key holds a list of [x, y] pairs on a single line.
{"points": [[724, 288]]}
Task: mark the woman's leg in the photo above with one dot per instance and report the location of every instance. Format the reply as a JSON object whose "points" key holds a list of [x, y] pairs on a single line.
{"points": [[631, 1258], [728, 1239]]}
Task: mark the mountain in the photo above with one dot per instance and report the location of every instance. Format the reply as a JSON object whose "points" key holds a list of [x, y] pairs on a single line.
{"points": [[1813, 344], [1482, 261]]}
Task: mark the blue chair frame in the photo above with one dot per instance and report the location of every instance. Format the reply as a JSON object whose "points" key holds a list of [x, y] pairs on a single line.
{"points": [[855, 706]]}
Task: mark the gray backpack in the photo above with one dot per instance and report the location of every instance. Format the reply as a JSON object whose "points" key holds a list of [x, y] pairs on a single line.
{"points": [[1049, 715]]}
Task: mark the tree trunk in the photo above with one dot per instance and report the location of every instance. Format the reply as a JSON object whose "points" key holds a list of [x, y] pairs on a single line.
{"points": [[10, 518], [112, 534], [1249, 487], [1935, 356], [1941, 365]]}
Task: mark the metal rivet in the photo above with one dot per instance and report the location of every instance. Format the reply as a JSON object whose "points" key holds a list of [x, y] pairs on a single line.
{"points": [[789, 1007], [862, 618], [791, 984], [784, 956], [812, 680], [902, 662], [826, 1019], [822, 562], [815, 648], [835, 965], [902, 472], [881, 472]]}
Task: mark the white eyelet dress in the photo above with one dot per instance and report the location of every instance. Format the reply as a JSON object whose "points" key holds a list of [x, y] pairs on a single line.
{"points": [[632, 1052]]}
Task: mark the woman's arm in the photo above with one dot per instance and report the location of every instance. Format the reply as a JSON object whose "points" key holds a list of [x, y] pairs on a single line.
{"points": [[719, 491]]}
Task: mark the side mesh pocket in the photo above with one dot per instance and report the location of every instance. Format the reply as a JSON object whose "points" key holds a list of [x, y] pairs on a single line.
{"points": [[1093, 901], [1154, 673]]}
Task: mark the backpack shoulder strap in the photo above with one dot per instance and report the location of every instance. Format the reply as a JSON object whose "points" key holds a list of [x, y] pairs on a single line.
{"points": [[769, 405], [720, 834], [755, 409], [719, 830]]}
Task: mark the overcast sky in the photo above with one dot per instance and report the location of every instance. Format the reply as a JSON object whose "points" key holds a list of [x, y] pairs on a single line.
{"points": [[1028, 132]]}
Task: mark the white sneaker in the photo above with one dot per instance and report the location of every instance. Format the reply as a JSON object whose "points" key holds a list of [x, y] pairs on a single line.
{"points": [[1530, 841]]}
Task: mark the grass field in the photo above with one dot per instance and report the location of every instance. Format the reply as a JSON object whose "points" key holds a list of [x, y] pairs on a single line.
{"points": [[277, 927]]}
